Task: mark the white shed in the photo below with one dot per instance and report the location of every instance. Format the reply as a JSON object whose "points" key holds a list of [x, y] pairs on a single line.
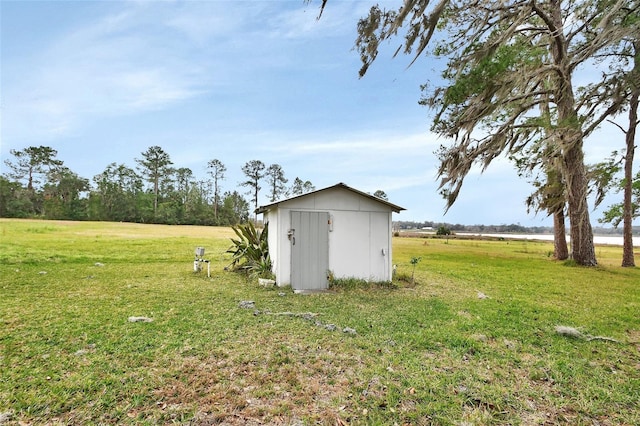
{"points": [[336, 229]]}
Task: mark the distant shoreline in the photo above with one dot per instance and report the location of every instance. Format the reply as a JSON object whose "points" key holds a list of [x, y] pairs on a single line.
{"points": [[616, 240], [597, 239]]}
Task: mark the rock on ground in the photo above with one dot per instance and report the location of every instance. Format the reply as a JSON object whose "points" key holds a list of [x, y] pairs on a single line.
{"points": [[140, 319]]}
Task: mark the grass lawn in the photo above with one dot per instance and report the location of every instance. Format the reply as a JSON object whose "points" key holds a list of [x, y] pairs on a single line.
{"points": [[429, 353]]}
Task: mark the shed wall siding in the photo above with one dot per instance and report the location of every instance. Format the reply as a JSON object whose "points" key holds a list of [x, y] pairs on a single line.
{"points": [[274, 241], [349, 244]]}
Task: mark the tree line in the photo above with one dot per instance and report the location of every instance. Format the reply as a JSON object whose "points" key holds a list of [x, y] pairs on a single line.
{"points": [[38, 185]]}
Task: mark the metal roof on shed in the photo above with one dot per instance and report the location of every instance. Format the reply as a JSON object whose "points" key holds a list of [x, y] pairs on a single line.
{"points": [[394, 207]]}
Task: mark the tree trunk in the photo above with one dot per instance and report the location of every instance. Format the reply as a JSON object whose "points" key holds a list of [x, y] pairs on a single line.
{"points": [[215, 198], [555, 184], [30, 181], [560, 249], [155, 196], [582, 248], [255, 201], [627, 229], [571, 142]]}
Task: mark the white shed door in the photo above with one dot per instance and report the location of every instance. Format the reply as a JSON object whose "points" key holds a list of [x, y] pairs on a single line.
{"points": [[380, 246], [309, 250]]}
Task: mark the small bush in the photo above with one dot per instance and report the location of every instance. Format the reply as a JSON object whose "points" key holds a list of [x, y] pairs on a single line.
{"points": [[404, 277], [570, 263], [443, 230]]}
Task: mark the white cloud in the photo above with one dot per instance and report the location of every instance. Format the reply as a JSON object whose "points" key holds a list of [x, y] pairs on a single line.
{"points": [[395, 183], [147, 56], [104, 68], [203, 22], [302, 22], [379, 143]]}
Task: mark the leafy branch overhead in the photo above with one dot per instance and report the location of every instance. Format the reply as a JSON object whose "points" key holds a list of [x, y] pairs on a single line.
{"points": [[509, 84]]}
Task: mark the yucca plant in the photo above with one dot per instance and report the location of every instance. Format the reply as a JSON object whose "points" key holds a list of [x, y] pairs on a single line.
{"points": [[250, 251]]}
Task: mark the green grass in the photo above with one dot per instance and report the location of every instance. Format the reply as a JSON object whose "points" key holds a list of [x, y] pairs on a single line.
{"points": [[429, 353]]}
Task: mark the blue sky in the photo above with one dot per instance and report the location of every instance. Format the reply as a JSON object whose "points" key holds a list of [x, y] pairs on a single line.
{"points": [[101, 81]]}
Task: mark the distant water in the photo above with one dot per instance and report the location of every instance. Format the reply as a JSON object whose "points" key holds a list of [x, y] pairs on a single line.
{"points": [[597, 239]]}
